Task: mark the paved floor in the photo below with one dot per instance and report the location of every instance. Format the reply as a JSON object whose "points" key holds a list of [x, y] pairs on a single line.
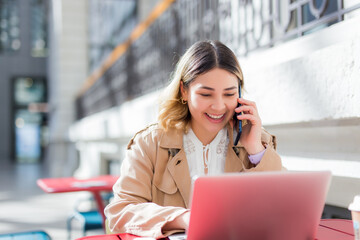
{"points": [[24, 206]]}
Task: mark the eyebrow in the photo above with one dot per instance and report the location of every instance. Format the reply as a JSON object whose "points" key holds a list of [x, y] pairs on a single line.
{"points": [[212, 89]]}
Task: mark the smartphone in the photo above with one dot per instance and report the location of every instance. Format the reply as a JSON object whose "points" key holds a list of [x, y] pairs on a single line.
{"points": [[240, 121]]}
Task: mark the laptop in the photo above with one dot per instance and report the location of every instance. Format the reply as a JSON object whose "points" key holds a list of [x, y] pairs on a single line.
{"points": [[267, 206]]}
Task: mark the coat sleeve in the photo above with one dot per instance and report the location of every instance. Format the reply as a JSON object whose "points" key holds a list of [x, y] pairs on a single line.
{"points": [[132, 210], [271, 160]]}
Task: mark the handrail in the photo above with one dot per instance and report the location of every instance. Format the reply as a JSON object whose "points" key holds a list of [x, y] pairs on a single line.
{"points": [[122, 47]]}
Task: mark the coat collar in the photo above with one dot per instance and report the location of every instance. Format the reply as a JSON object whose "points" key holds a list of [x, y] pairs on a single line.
{"points": [[173, 138], [179, 170]]}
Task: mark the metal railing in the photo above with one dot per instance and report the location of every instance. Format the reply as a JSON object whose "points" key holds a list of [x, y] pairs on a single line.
{"points": [[244, 25]]}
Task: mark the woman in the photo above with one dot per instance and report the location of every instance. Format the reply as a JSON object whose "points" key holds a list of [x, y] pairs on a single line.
{"points": [[194, 136]]}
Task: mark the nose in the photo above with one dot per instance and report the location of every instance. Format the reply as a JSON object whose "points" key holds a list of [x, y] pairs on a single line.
{"points": [[218, 104]]}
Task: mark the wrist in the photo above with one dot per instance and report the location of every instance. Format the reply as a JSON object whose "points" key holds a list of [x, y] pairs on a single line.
{"points": [[255, 149], [185, 218], [180, 222]]}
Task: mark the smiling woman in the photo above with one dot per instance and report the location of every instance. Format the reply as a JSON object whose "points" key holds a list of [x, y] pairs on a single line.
{"points": [[194, 137]]}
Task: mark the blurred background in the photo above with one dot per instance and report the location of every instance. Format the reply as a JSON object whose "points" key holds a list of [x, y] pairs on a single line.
{"points": [[79, 78]]}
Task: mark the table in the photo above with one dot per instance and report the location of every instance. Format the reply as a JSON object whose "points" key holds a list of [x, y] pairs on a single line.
{"points": [[329, 229], [334, 229], [71, 184]]}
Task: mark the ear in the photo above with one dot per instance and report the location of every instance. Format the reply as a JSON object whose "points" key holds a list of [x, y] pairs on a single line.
{"points": [[183, 91]]}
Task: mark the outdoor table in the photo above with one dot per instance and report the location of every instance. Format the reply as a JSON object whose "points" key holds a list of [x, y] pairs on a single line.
{"points": [[71, 184], [334, 229], [329, 229]]}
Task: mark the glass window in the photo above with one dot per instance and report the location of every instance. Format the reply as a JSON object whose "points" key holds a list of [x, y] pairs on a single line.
{"points": [[29, 90], [110, 24], [9, 26], [320, 8], [39, 41]]}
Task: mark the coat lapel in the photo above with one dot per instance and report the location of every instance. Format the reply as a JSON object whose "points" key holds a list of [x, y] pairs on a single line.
{"points": [[232, 162], [177, 164], [179, 169]]}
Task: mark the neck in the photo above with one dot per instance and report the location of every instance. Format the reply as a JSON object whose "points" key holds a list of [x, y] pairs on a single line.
{"points": [[204, 137]]}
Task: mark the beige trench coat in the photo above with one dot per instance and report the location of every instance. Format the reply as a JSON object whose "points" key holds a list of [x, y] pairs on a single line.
{"points": [[154, 186]]}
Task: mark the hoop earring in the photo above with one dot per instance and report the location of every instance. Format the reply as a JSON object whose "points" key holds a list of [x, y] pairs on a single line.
{"points": [[183, 101]]}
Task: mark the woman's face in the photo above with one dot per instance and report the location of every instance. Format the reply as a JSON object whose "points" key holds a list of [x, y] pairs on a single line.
{"points": [[212, 100]]}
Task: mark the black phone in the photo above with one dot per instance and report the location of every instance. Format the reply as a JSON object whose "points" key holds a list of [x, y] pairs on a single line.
{"points": [[240, 121]]}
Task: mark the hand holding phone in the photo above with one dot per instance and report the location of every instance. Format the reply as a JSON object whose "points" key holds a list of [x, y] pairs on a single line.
{"points": [[250, 133]]}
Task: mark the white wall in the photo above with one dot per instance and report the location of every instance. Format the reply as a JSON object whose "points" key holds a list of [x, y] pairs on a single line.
{"points": [[67, 72], [109, 132], [312, 78]]}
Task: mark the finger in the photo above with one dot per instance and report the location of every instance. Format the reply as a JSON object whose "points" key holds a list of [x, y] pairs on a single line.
{"points": [[247, 102], [255, 120], [246, 109]]}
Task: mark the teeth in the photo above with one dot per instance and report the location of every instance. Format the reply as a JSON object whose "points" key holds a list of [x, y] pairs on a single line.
{"points": [[215, 116]]}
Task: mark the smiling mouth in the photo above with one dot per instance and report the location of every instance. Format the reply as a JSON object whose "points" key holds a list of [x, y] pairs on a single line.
{"points": [[216, 117]]}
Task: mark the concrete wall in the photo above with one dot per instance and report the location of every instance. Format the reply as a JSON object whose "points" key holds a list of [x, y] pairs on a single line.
{"points": [[312, 78], [67, 71]]}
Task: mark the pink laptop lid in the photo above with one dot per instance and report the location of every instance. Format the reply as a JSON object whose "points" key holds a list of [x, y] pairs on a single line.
{"points": [[270, 205]]}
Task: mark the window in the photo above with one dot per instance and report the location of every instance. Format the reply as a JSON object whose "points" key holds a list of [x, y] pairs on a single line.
{"points": [[9, 26], [39, 41]]}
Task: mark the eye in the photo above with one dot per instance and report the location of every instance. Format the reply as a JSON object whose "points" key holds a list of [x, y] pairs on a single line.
{"points": [[205, 94], [229, 94]]}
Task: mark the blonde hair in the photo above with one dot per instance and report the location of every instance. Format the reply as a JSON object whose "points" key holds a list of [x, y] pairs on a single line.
{"points": [[200, 58]]}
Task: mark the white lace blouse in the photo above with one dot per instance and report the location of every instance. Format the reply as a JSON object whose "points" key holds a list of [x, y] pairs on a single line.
{"points": [[209, 158]]}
